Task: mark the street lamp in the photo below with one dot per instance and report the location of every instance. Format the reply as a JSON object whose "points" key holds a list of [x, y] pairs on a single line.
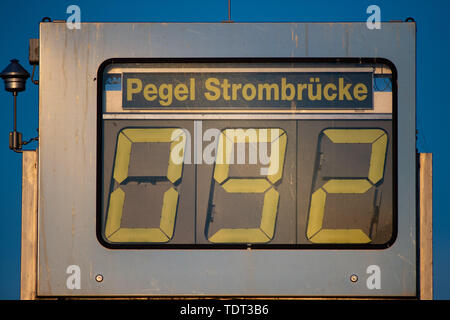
{"points": [[15, 77]]}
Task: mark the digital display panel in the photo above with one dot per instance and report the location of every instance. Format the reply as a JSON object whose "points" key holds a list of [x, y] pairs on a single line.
{"points": [[210, 174], [227, 160]]}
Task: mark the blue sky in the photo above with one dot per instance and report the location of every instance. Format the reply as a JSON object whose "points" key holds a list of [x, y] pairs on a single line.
{"points": [[19, 22]]}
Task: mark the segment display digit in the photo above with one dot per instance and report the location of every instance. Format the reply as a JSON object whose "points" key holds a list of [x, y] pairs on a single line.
{"points": [[114, 232], [277, 140], [316, 233]]}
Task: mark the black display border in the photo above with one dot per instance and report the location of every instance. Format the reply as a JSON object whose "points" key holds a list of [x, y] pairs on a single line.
{"points": [[164, 246]]}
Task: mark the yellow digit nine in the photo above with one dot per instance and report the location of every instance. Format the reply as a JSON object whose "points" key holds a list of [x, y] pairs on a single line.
{"points": [[265, 231]]}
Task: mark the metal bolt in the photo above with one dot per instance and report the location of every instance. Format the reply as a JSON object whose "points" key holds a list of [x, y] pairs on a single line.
{"points": [[353, 278], [99, 278]]}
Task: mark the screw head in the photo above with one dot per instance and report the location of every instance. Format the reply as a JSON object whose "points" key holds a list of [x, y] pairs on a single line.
{"points": [[353, 278], [99, 278]]}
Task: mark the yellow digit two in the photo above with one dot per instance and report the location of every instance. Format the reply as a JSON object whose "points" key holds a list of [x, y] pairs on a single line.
{"points": [[114, 232], [315, 231], [277, 139]]}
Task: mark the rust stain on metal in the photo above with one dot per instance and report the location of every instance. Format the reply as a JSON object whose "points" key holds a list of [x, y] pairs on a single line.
{"points": [[346, 44], [404, 259], [73, 221], [44, 249], [306, 40]]}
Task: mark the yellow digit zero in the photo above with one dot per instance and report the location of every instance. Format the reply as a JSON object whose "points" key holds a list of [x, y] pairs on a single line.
{"points": [[113, 230], [315, 231]]}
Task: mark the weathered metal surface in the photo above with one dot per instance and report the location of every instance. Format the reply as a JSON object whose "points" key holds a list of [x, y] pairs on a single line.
{"points": [[69, 60], [426, 226], [28, 265]]}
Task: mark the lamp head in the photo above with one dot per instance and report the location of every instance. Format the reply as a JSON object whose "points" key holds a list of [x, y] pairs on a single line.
{"points": [[15, 77]]}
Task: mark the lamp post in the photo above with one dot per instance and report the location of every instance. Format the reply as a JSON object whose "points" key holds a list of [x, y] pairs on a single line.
{"points": [[15, 77]]}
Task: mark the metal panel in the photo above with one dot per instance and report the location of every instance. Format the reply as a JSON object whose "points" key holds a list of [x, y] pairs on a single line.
{"points": [[69, 60]]}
